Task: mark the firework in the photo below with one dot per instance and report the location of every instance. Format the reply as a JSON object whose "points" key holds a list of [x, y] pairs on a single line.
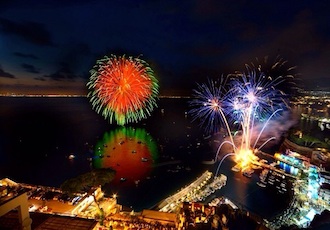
{"points": [[253, 92], [122, 89], [250, 100], [283, 77], [254, 99], [207, 105]]}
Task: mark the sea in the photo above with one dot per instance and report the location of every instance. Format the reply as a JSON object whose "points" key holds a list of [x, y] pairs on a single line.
{"points": [[47, 140]]}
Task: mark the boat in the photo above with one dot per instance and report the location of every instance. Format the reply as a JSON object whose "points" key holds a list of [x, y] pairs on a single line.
{"points": [[143, 159], [236, 168], [260, 184], [263, 161], [247, 174], [208, 162], [256, 167]]}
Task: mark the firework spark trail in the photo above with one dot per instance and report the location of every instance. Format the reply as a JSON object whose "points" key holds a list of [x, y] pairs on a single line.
{"points": [[220, 163], [223, 143], [122, 89], [264, 126]]}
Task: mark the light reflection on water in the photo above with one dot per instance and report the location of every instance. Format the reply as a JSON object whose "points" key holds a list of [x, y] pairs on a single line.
{"points": [[308, 125], [131, 152]]}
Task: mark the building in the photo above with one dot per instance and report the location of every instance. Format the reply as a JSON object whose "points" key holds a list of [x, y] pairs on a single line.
{"points": [[325, 177], [163, 218], [19, 202], [43, 221], [324, 192], [193, 214], [14, 212]]}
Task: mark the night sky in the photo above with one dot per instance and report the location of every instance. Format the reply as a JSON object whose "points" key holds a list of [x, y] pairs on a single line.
{"points": [[48, 47]]}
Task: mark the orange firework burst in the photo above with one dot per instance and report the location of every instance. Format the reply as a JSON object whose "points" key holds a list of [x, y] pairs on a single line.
{"points": [[122, 89]]}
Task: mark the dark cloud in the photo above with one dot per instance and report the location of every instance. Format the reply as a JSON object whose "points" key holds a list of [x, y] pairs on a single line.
{"points": [[76, 57], [5, 74], [39, 79], [30, 68], [82, 49], [32, 32], [23, 55], [23, 4], [183, 41], [4, 4], [63, 74]]}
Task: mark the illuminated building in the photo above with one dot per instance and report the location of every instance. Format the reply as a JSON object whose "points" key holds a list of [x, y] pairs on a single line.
{"points": [[87, 200], [19, 202], [291, 163], [313, 182], [324, 192], [163, 218], [325, 177], [295, 164], [195, 214]]}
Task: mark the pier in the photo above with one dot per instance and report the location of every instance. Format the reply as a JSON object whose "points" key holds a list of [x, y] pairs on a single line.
{"points": [[196, 191]]}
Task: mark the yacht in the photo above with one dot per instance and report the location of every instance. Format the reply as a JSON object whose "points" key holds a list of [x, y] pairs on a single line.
{"points": [[260, 184], [143, 159], [247, 174], [236, 168]]}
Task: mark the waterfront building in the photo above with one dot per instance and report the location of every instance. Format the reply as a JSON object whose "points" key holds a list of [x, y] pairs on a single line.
{"points": [[3, 191], [325, 177], [298, 165], [194, 214], [278, 181], [105, 211], [224, 215], [324, 192], [164, 218], [15, 206], [17, 201], [92, 196], [292, 162]]}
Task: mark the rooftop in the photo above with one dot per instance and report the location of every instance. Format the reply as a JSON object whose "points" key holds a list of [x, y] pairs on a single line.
{"points": [[47, 222]]}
